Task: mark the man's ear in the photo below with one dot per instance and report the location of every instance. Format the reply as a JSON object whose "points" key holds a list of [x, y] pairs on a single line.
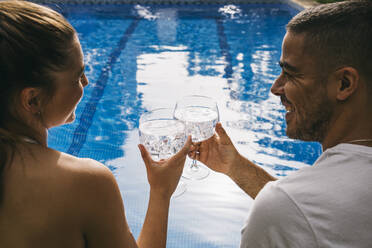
{"points": [[347, 82], [31, 99]]}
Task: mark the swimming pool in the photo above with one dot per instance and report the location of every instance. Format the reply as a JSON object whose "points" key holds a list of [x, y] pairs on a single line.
{"points": [[141, 57]]}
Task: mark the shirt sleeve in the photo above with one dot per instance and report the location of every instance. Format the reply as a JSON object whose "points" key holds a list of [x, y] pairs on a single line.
{"points": [[275, 220]]}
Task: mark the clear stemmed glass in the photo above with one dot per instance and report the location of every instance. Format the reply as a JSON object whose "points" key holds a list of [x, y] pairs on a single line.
{"points": [[200, 115], [163, 136]]}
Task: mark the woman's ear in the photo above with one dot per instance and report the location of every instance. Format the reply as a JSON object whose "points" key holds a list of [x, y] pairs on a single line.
{"points": [[347, 82], [31, 99]]}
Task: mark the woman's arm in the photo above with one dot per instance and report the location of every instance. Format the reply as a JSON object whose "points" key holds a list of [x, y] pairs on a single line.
{"points": [[163, 177], [102, 210]]}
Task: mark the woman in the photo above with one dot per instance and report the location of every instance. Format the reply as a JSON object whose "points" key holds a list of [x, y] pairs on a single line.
{"points": [[49, 198]]}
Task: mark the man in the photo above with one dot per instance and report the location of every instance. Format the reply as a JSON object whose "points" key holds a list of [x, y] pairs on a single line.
{"points": [[325, 86]]}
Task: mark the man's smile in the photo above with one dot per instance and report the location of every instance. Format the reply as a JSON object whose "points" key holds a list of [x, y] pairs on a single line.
{"points": [[287, 104]]}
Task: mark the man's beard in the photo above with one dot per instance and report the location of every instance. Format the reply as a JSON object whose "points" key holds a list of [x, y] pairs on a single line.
{"points": [[313, 125]]}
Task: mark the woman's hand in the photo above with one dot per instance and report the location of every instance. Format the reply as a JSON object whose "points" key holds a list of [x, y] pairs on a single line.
{"points": [[218, 152], [164, 175]]}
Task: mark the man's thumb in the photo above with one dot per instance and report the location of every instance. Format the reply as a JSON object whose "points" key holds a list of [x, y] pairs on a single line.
{"points": [[224, 138]]}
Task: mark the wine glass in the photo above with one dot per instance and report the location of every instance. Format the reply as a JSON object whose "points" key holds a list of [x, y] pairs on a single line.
{"points": [[163, 136], [200, 115]]}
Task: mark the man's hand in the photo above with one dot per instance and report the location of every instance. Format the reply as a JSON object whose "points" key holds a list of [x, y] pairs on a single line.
{"points": [[218, 152]]}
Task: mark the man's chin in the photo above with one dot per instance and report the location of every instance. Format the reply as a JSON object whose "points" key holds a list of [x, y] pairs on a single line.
{"points": [[295, 133], [302, 135], [291, 134]]}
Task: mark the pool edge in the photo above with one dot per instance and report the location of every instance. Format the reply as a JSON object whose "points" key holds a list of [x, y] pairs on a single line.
{"points": [[297, 4]]}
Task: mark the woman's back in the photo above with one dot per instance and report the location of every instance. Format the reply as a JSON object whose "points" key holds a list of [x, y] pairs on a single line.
{"points": [[46, 196]]}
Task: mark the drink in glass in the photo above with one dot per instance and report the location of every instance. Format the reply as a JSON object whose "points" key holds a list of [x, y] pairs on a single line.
{"points": [[200, 116], [163, 136]]}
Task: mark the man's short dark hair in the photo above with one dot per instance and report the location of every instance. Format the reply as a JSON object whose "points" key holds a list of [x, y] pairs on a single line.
{"points": [[340, 34]]}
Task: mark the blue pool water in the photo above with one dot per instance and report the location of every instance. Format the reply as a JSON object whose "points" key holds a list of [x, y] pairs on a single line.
{"points": [[144, 57]]}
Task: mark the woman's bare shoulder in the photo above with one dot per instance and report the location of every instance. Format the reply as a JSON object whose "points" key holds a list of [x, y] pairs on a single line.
{"points": [[96, 192], [73, 179], [85, 171], [68, 161], [61, 172], [90, 184]]}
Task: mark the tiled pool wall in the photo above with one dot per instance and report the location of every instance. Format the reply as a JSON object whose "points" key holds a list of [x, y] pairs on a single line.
{"points": [[297, 4]]}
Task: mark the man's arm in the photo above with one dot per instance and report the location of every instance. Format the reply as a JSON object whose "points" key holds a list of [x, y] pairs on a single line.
{"points": [[249, 177], [219, 154]]}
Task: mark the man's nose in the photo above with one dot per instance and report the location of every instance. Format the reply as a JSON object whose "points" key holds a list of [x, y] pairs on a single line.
{"points": [[278, 87]]}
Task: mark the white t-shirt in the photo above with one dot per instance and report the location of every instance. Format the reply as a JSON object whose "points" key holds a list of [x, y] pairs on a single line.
{"points": [[326, 205]]}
